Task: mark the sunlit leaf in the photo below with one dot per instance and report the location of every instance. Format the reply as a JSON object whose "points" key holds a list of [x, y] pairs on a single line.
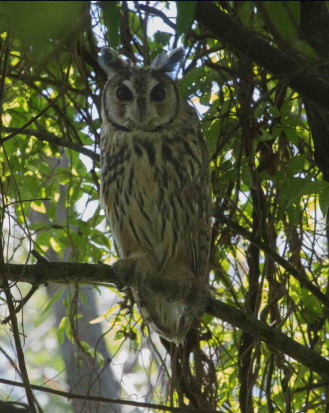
{"points": [[62, 329]]}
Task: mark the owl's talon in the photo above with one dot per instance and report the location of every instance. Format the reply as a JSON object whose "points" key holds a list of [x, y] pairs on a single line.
{"points": [[125, 269]]}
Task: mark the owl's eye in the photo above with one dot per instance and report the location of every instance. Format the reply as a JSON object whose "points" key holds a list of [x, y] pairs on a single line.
{"points": [[158, 93], [123, 93]]}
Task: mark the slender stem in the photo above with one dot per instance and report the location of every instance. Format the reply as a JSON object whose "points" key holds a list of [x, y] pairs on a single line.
{"points": [[9, 297]]}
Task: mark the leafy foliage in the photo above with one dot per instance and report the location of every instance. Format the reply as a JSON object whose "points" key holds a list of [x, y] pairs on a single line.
{"points": [[265, 175]]}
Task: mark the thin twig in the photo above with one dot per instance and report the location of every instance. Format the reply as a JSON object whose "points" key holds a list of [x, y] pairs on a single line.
{"points": [[9, 297], [304, 282], [22, 128], [22, 303], [70, 395], [26, 200], [49, 137], [159, 13]]}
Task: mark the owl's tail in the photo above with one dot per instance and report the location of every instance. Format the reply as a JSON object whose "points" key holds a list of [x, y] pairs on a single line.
{"points": [[171, 320]]}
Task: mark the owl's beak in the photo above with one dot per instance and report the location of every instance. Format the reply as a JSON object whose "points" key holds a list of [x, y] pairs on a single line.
{"points": [[140, 110]]}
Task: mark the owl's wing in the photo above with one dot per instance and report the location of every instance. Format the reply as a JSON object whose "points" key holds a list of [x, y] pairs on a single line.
{"points": [[184, 200], [199, 230]]}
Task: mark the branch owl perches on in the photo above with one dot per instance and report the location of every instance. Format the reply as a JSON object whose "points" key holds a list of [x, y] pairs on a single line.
{"points": [[154, 183]]}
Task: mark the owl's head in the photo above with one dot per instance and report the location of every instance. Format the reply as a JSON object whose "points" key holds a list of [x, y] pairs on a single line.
{"points": [[144, 98]]}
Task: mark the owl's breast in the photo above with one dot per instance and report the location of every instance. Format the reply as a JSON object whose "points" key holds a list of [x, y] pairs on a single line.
{"points": [[130, 193], [149, 188]]}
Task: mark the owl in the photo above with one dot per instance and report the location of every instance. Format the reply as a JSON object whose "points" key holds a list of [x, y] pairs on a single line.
{"points": [[155, 184]]}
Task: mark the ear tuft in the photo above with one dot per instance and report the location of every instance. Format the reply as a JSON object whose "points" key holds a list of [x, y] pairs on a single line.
{"points": [[168, 62], [111, 61]]}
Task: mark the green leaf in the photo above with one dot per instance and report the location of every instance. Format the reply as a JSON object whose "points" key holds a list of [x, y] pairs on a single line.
{"points": [[312, 310], [260, 110], [207, 319], [162, 38], [87, 347], [293, 189], [112, 18], [226, 107], [192, 82], [265, 136], [119, 335], [35, 22], [63, 325], [291, 134], [246, 176], [324, 200], [296, 164], [284, 15], [274, 112], [212, 133], [245, 11], [285, 109], [185, 15], [51, 301], [293, 212]]}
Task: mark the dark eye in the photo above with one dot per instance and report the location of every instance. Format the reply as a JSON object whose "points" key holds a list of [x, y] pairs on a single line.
{"points": [[123, 93], [158, 93]]}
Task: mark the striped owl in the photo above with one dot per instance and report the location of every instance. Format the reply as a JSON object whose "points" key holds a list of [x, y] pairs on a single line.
{"points": [[155, 184]]}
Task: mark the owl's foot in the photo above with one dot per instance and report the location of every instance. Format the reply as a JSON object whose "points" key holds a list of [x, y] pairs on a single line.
{"points": [[125, 269]]}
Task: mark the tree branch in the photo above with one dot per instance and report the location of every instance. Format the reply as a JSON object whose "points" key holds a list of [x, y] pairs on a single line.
{"points": [[88, 273], [300, 73], [49, 137], [69, 395]]}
